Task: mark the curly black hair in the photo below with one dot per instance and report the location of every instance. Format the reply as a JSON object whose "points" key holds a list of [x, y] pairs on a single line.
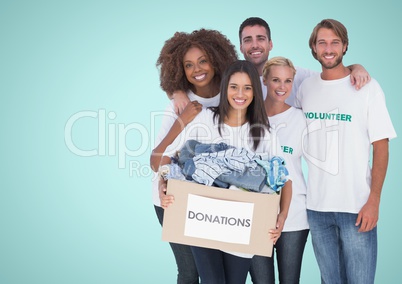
{"points": [[218, 48]]}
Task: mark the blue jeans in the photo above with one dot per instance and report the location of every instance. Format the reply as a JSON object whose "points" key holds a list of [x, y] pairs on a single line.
{"points": [[251, 179], [343, 254], [192, 148], [186, 268], [289, 254], [218, 267]]}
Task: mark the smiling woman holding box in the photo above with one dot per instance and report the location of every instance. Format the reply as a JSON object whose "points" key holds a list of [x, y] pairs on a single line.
{"points": [[240, 119]]}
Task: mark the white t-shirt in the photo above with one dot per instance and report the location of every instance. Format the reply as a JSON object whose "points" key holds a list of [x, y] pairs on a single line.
{"points": [[167, 122], [301, 74], [290, 126], [204, 129], [342, 124]]}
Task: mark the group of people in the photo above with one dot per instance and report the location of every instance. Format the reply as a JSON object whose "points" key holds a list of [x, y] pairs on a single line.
{"points": [[330, 118]]}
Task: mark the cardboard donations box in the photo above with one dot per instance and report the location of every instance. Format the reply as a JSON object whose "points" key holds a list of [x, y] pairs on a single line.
{"points": [[225, 219]]}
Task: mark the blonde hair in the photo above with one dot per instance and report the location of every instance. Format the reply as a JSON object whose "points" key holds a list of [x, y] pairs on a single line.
{"points": [[277, 61]]}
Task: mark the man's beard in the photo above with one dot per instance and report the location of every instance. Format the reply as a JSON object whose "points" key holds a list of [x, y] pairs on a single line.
{"points": [[338, 60]]}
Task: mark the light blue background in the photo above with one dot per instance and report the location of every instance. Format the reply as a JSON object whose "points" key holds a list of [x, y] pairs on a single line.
{"points": [[66, 218]]}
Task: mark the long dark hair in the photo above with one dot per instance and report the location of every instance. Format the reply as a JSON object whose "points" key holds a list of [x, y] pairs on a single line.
{"points": [[256, 114]]}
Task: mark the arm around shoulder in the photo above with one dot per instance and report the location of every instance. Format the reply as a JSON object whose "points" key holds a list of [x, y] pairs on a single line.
{"points": [[189, 113], [180, 101], [358, 76]]}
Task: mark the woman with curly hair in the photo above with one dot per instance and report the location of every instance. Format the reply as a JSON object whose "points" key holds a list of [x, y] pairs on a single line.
{"points": [[192, 63], [173, 73]]}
